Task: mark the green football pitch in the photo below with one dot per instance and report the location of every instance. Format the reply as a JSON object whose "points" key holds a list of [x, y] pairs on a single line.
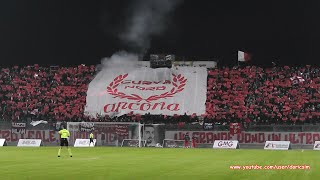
{"points": [[153, 163]]}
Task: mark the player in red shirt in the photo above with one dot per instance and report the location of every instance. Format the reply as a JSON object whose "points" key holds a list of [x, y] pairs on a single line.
{"points": [[194, 141]]}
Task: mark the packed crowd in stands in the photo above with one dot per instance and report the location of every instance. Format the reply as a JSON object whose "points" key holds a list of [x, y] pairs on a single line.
{"points": [[44, 93], [264, 95], [243, 94]]}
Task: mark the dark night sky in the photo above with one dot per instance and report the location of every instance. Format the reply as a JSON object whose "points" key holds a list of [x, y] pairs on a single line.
{"points": [[73, 32]]}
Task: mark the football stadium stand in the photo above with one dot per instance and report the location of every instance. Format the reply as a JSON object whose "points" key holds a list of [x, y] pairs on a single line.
{"points": [[250, 94]]}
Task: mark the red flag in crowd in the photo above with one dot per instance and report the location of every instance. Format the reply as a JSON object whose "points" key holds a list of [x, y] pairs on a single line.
{"points": [[243, 56]]}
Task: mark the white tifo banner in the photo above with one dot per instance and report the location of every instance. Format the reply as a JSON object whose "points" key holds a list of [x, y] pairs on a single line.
{"points": [[2, 142], [29, 143], [223, 144], [315, 147], [115, 92], [84, 143], [277, 145]]}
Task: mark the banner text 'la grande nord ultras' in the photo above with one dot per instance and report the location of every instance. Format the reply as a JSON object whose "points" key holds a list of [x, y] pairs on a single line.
{"points": [[208, 137]]}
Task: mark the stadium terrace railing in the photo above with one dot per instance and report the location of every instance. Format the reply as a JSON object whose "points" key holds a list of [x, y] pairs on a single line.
{"points": [[45, 131]]}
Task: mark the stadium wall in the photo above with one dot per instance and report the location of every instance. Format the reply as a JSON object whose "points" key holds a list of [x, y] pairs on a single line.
{"points": [[250, 140], [205, 139], [252, 137]]}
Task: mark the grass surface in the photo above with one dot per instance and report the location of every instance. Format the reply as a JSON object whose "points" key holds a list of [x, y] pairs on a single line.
{"points": [[143, 163]]}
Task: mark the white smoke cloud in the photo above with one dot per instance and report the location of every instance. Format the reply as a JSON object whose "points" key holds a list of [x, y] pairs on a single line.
{"points": [[148, 18], [119, 60]]}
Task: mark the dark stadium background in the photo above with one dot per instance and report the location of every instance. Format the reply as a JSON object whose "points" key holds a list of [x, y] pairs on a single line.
{"points": [[64, 32]]}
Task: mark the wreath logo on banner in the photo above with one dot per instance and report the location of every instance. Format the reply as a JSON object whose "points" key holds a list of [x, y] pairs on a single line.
{"points": [[178, 83]]}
